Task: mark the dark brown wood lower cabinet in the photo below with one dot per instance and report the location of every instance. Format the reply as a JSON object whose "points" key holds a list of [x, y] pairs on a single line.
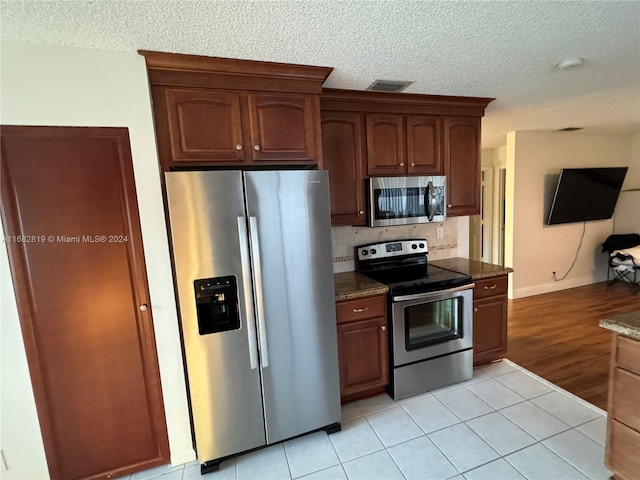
{"points": [[489, 319], [72, 229], [623, 419], [362, 347]]}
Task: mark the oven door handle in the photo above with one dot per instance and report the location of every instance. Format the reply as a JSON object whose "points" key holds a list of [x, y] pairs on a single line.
{"points": [[418, 296]]}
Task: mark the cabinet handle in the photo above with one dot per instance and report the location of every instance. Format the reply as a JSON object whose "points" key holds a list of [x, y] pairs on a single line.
{"points": [[383, 328], [361, 212], [256, 147], [413, 164], [491, 287], [449, 206], [475, 309], [238, 147], [402, 164], [143, 308], [360, 310]]}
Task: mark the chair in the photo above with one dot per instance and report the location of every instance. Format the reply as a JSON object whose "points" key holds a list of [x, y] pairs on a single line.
{"points": [[622, 267]]}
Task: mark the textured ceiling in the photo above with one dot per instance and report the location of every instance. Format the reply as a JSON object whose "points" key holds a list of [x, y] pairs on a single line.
{"points": [[501, 49]]}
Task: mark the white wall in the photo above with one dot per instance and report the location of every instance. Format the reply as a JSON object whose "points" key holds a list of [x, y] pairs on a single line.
{"points": [[78, 87], [626, 218], [632, 180], [509, 209], [535, 160]]}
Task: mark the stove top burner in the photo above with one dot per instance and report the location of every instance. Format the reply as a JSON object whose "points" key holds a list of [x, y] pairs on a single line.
{"points": [[402, 266], [409, 280]]}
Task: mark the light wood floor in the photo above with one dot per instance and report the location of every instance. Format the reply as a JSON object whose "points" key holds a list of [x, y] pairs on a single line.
{"points": [[556, 336]]}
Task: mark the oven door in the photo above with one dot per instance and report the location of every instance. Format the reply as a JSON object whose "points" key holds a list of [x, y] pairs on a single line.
{"points": [[428, 325]]}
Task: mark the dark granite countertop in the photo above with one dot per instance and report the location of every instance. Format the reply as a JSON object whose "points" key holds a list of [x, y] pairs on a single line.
{"points": [[351, 285], [627, 324], [476, 269]]}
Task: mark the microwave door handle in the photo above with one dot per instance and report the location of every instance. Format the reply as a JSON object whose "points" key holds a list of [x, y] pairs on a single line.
{"points": [[257, 271], [248, 303], [427, 202], [432, 199]]}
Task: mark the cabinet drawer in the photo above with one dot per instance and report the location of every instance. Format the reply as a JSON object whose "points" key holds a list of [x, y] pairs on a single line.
{"points": [[628, 354], [489, 287], [625, 398], [623, 445], [350, 310]]}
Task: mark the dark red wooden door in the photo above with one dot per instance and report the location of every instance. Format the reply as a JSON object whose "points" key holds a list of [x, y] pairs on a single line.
{"points": [[72, 230]]}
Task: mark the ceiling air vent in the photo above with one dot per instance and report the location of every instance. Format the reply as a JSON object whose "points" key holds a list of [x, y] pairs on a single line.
{"points": [[569, 129], [388, 86]]}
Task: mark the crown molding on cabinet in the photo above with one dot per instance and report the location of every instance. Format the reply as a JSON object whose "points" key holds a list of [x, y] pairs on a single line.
{"points": [[384, 102], [173, 69]]}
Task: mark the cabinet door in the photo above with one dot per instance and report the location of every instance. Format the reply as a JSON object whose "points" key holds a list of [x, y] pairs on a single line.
{"points": [[622, 450], [462, 165], [362, 350], [282, 127], [424, 148], [489, 328], [385, 145], [342, 152], [204, 125]]}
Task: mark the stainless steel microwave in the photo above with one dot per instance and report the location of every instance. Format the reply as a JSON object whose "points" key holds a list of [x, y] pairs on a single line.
{"points": [[406, 200]]}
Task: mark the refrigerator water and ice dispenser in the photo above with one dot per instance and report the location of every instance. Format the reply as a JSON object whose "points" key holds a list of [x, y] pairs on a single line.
{"points": [[217, 304]]}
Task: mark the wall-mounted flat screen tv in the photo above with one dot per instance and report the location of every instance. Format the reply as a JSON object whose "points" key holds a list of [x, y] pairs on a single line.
{"points": [[585, 194]]}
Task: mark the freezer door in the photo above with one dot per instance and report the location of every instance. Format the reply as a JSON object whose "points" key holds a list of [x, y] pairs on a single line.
{"points": [[211, 261], [295, 300]]}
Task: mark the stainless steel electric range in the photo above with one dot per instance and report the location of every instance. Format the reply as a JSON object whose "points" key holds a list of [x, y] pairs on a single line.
{"points": [[430, 314]]}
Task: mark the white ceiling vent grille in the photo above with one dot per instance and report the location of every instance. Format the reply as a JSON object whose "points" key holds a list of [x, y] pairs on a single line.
{"points": [[388, 86]]}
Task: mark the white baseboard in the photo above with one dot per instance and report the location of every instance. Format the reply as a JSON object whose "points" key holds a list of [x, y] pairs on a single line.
{"points": [[180, 458], [554, 286]]}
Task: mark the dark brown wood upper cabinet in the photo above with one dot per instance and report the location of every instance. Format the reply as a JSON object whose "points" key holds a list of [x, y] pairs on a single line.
{"points": [[462, 165], [404, 145], [214, 127], [424, 146], [204, 125], [216, 112], [282, 127], [385, 145], [342, 147], [407, 134], [72, 229]]}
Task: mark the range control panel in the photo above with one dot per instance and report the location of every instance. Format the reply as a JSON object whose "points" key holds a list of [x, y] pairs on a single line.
{"points": [[395, 248]]}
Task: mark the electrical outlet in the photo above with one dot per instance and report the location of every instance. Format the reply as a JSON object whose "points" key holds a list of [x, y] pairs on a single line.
{"points": [[439, 232]]}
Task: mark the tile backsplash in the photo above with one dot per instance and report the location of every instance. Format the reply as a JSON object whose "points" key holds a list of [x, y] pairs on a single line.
{"points": [[344, 239]]}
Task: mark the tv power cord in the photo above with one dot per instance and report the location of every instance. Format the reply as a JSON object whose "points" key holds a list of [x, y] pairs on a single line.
{"points": [[584, 228]]}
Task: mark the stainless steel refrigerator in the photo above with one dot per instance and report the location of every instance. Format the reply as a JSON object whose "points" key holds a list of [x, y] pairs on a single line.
{"points": [[254, 277]]}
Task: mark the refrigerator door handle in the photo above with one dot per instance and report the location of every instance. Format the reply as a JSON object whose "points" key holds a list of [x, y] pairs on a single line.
{"points": [[246, 281], [257, 271]]}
